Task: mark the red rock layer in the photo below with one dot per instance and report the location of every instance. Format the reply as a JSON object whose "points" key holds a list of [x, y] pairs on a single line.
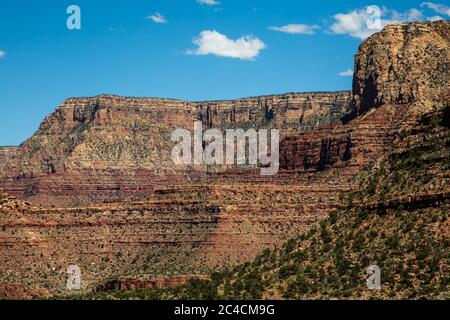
{"points": [[179, 230]]}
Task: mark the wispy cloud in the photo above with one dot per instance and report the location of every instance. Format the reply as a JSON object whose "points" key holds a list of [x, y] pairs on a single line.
{"points": [[2, 54], [435, 18], [209, 2], [439, 8], [215, 43], [346, 73], [157, 18], [364, 22], [297, 28]]}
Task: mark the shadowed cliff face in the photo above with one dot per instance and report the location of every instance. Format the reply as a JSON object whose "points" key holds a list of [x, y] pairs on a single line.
{"points": [[160, 220]]}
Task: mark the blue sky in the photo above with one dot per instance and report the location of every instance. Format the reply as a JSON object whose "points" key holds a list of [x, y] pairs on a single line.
{"points": [[185, 49]]}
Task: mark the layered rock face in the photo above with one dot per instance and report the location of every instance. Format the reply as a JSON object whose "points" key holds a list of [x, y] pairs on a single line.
{"points": [[295, 111], [160, 219], [401, 73], [403, 64], [184, 230], [110, 148], [123, 210]]}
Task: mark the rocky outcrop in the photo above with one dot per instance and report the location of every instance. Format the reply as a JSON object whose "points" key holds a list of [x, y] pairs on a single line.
{"points": [[353, 144], [403, 64], [404, 72], [296, 111], [10, 203]]}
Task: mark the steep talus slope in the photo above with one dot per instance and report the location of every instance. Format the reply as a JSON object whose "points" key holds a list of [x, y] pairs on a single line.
{"points": [[12, 208]]}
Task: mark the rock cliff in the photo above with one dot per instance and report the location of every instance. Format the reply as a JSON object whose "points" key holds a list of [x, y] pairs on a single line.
{"points": [[396, 217], [121, 210], [403, 64], [110, 148]]}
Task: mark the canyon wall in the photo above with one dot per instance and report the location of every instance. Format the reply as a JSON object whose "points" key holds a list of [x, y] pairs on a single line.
{"points": [[121, 209], [108, 198], [109, 148]]}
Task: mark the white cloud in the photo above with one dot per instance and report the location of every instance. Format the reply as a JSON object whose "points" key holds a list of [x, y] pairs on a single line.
{"points": [[215, 43], [353, 23], [209, 2], [346, 73], [2, 54], [435, 18], [439, 8], [157, 18], [364, 22], [296, 28], [411, 15]]}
